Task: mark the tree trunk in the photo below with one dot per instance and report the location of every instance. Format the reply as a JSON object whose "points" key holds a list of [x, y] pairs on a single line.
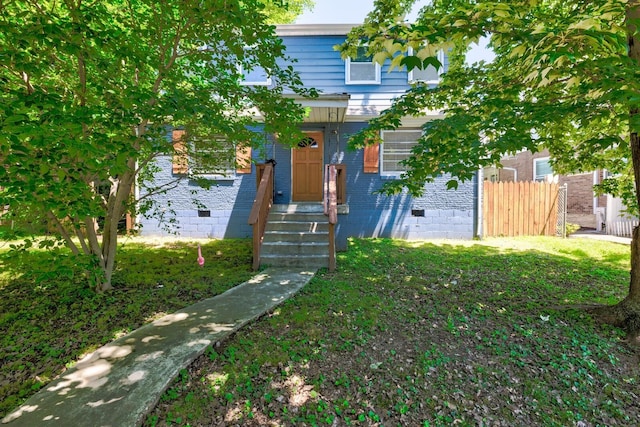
{"points": [[110, 261], [632, 17], [634, 285], [626, 313], [116, 210]]}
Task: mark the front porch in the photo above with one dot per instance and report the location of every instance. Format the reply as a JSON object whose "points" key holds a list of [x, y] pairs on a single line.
{"points": [[297, 234]]}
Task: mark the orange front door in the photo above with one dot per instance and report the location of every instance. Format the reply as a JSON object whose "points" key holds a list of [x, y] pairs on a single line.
{"points": [[306, 168]]}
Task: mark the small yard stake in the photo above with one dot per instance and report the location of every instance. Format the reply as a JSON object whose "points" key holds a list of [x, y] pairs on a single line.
{"points": [[200, 258]]}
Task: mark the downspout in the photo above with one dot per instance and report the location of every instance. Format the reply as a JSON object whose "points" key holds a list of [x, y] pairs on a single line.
{"points": [[274, 140], [479, 219]]}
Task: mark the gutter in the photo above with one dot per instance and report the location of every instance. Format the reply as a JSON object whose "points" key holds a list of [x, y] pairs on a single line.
{"points": [[292, 30]]}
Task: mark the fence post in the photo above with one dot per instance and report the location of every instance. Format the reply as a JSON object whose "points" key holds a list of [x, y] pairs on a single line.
{"points": [[561, 225], [565, 190]]}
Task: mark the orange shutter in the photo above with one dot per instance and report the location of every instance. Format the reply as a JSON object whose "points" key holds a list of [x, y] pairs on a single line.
{"points": [[180, 157], [243, 159], [371, 158]]}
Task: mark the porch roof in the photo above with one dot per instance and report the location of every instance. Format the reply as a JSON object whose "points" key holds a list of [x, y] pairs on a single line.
{"points": [[326, 108]]}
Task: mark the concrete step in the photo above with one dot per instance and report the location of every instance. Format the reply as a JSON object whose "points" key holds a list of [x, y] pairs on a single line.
{"points": [[295, 236], [309, 207], [297, 226], [298, 216], [295, 249], [305, 261]]}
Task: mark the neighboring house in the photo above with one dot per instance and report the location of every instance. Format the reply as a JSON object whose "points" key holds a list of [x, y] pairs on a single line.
{"points": [[352, 92], [583, 206]]}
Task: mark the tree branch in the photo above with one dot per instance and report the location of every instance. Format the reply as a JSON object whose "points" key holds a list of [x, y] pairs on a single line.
{"points": [[81, 237], [64, 233], [92, 237], [164, 187]]}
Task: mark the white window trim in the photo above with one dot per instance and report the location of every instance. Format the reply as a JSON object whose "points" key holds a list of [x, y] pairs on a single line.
{"points": [[440, 56], [394, 174], [266, 82], [347, 74], [535, 177], [231, 176]]}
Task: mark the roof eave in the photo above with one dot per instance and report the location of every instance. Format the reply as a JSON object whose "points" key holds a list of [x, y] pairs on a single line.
{"points": [[314, 29]]}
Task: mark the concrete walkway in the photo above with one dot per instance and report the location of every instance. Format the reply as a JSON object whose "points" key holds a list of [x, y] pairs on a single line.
{"points": [[120, 383], [594, 235]]}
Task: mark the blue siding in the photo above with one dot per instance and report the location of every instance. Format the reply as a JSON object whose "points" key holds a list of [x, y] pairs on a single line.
{"points": [[321, 66], [448, 214]]}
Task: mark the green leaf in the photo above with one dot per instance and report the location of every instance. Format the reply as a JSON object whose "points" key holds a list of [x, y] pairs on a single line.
{"points": [[411, 62], [433, 61]]}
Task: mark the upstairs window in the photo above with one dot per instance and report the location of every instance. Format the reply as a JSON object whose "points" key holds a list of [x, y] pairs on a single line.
{"points": [[362, 69], [428, 75], [396, 147], [542, 170], [256, 76]]}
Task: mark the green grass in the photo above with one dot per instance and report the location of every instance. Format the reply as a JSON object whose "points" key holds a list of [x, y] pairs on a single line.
{"points": [[50, 315], [428, 334], [424, 334]]}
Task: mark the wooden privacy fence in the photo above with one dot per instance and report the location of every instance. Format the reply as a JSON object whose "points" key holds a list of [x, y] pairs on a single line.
{"points": [[520, 209]]}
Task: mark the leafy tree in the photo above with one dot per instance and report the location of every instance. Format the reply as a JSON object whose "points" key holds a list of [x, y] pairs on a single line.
{"points": [[565, 77], [88, 91], [285, 11]]}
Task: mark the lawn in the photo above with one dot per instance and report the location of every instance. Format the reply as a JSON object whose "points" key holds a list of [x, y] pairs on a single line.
{"points": [[50, 316], [424, 334], [428, 334]]}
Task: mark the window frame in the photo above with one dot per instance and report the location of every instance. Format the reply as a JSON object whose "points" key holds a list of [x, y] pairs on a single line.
{"points": [[229, 173], [347, 71], [412, 80], [541, 178], [396, 173], [244, 82]]}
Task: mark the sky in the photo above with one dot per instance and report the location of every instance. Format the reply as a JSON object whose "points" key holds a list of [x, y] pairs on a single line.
{"points": [[341, 11], [354, 12]]}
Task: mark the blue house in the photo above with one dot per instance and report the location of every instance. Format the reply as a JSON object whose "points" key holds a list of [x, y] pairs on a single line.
{"points": [[351, 93]]}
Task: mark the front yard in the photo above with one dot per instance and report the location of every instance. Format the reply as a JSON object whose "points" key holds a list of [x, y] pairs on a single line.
{"points": [[436, 333], [450, 333], [50, 316]]}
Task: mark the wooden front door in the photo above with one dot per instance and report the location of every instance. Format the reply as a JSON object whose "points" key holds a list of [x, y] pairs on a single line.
{"points": [[307, 159]]}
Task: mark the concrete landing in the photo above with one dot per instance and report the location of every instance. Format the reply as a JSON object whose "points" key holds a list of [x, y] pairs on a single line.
{"points": [[118, 384]]}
